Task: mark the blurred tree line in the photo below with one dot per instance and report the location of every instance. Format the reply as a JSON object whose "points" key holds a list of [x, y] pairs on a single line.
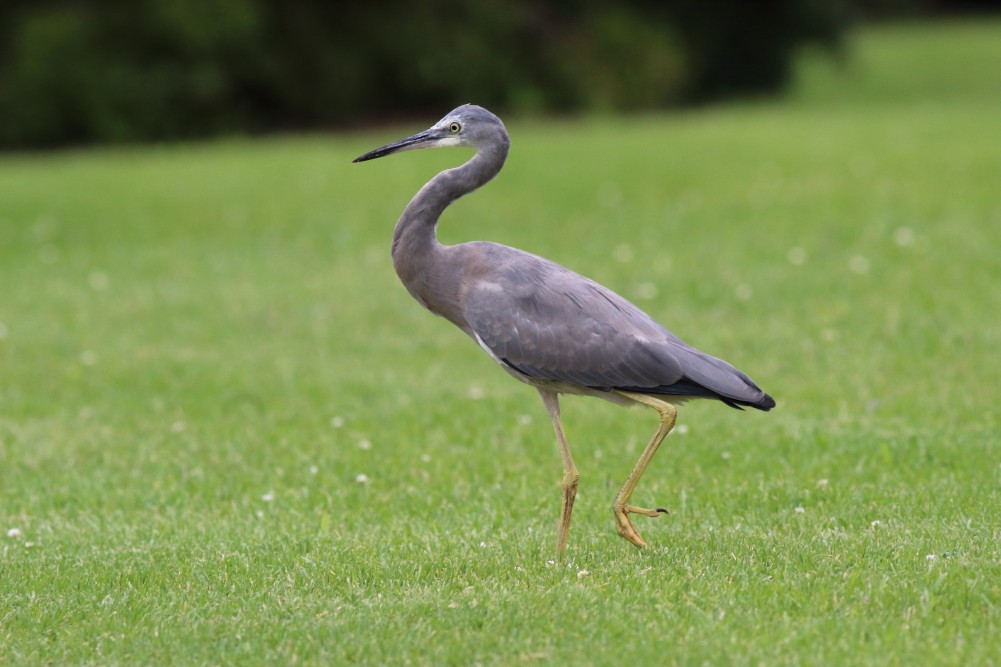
{"points": [[80, 71]]}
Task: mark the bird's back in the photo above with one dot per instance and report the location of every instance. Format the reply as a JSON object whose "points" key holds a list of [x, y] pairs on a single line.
{"points": [[549, 324]]}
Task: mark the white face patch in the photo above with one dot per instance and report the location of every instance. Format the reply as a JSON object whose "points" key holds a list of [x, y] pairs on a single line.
{"points": [[447, 141]]}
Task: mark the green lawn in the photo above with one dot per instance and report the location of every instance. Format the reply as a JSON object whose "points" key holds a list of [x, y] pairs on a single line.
{"points": [[228, 436]]}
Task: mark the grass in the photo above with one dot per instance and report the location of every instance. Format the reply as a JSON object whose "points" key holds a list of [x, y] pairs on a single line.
{"points": [[228, 436]]}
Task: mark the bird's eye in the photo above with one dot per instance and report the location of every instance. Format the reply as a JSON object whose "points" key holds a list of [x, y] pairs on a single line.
{"points": [[454, 128]]}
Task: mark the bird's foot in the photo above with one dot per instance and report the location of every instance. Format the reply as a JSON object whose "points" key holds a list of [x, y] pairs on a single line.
{"points": [[625, 526]]}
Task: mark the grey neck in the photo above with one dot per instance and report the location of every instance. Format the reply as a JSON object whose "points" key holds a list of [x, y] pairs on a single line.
{"points": [[415, 246]]}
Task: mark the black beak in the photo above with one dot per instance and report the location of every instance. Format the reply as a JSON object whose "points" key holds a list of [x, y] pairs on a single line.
{"points": [[419, 140]]}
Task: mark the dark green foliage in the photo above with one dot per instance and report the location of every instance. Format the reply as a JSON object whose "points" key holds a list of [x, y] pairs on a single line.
{"points": [[107, 70], [121, 71], [739, 48]]}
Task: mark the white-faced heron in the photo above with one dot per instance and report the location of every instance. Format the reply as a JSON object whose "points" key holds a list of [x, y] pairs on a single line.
{"points": [[544, 324]]}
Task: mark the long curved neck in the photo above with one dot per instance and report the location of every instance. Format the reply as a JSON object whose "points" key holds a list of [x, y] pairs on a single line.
{"points": [[416, 250]]}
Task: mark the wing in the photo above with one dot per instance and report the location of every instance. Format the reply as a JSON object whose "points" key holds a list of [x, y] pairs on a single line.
{"points": [[550, 323]]}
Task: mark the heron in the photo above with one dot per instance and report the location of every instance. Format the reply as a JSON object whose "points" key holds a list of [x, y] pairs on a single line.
{"points": [[544, 324]]}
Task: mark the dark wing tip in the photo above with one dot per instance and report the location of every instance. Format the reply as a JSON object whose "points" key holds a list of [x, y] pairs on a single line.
{"points": [[690, 389], [765, 403]]}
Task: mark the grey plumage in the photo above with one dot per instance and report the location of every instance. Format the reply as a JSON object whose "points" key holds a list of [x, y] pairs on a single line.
{"points": [[544, 324], [551, 324]]}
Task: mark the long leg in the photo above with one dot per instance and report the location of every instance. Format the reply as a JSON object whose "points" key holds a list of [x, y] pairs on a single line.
{"points": [[621, 506], [570, 475]]}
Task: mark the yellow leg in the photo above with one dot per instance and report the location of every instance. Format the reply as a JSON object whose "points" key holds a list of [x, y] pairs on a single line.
{"points": [[621, 507], [570, 475]]}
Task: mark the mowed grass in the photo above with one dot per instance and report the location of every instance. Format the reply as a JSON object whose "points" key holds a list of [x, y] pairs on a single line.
{"points": [[229, 436]]}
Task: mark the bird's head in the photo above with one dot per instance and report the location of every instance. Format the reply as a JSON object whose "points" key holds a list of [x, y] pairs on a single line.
{"points": [[468, 125]]}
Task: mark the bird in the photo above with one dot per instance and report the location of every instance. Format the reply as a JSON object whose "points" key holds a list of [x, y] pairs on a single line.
{"points": [[544, 324]]}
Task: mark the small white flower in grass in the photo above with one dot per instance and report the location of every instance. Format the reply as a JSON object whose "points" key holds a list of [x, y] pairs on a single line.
{"points": [[582, 573], [337, 422], [645, 291], [903, 236], [268, 497], [14, 533], [483, 545], [364, 443], [875, 524], [930, 557], [361, 478], [796, 256], [799, 509], [259, 514], [98, 280], [858, 264], [623, 253]]}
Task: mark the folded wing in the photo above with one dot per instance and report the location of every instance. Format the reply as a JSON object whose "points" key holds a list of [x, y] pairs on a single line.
{"points": [[549, 323]]}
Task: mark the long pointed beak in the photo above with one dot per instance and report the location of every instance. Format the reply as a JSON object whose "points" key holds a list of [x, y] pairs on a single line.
{"points": [[420, 140]]}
